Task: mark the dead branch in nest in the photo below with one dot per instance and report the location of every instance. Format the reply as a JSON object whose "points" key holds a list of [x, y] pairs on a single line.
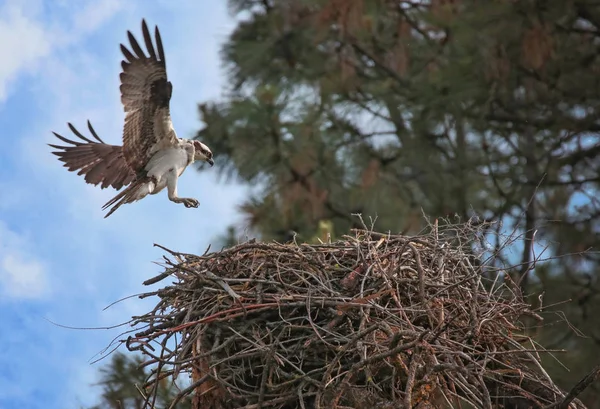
{"points": [[372, 320]]}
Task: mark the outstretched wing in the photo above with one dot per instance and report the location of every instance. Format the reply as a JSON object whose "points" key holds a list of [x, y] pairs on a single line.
{"points": [[145, 95], [100, 163]]}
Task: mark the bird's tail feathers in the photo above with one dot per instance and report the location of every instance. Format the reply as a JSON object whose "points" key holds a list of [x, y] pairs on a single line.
{"points": [[129, 195]]}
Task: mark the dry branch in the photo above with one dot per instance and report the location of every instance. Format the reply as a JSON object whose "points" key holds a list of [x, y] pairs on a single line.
{"points": [[369, 321]]}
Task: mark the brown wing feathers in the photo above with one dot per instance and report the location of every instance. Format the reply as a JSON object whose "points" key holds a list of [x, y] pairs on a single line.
{"points": [[101, 163], [145, 93]]}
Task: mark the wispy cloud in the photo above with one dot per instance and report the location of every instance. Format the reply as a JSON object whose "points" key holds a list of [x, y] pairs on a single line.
{"points": [[81, 261], [22, 275], [23, 43]]}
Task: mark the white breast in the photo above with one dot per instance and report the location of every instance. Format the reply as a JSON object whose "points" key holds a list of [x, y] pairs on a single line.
{"points": [[165, 160]]}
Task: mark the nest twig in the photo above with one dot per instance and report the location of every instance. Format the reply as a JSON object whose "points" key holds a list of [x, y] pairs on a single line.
{"points": [[372, 320]]}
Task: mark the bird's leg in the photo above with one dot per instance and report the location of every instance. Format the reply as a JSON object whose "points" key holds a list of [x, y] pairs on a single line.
{"points": [[172, 189]]}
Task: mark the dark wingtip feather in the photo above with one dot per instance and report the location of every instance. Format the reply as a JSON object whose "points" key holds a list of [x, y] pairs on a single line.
{"points": [[79, 134], [136, 46], [127, 54], [60, 153], [65, 140], [93, 132], [159, 46], [57, 147], [148, 40]]}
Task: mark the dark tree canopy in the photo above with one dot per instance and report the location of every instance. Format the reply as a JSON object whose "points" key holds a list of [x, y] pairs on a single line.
{"points": [[393, 109], [121, 381]]}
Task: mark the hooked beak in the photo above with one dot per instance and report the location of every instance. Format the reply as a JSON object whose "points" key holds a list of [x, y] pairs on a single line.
{"points": [[210, 162]]}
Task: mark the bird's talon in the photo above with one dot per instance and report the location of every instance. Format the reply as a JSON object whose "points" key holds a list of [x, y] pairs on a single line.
{"points": [[190, 203]]}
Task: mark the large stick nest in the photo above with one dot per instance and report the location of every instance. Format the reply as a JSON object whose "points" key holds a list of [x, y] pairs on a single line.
{"points": [[369, 321]]}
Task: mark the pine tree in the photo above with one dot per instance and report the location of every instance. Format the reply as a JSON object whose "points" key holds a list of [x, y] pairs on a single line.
{"points": [[121, 381], [447, 107]]}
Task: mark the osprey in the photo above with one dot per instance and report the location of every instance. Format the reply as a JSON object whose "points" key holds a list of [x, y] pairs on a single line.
{"points": [[152, 156]]}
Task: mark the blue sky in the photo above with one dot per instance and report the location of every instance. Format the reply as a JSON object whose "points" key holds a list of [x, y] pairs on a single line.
{"points": [[59, 258]]}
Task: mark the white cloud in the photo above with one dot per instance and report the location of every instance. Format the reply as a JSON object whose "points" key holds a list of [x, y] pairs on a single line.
{"points": [[22, 275], [95, 13], [22, 278], [28, 36], [22, 43]]}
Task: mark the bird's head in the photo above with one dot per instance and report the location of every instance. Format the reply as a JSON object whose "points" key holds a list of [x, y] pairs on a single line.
{"points": [[203, 152]]}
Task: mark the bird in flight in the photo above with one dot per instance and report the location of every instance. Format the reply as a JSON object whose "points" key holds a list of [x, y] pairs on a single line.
{"points": [[152, 156]]}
